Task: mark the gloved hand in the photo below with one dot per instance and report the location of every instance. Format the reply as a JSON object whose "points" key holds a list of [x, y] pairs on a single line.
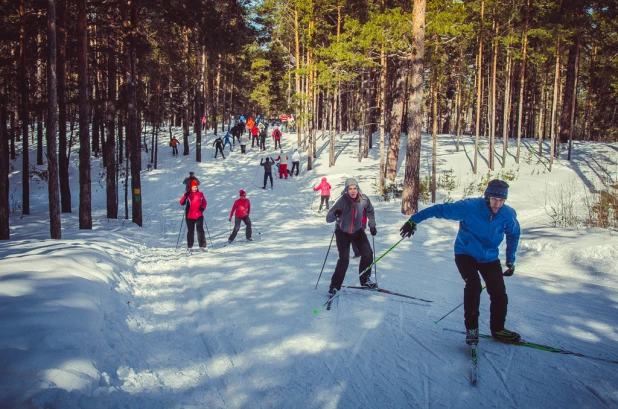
{"points": [[373, 231], [510, 271], [408, 228], [338, 212], [230, 219]]}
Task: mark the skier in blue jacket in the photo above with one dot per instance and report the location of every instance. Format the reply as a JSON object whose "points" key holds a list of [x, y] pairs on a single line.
{"points": [[228, 141], [483, 223]]}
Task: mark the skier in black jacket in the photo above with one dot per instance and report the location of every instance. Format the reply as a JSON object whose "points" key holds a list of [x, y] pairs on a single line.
{"points": [[218, 144], [236, 132], [267, 170]]}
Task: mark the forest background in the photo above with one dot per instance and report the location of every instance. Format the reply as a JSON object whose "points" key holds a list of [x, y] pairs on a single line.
{"points": [[87, 76]]}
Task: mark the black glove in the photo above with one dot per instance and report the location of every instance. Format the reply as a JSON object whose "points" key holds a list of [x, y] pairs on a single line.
{"points": [[230, 219], [338, 212], [373, 231], [407, 229], [510, 271]]}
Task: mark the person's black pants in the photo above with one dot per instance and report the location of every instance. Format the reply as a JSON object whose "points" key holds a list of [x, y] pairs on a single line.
{"points": [[343, 246], [242, 148], [268, 174], [237, 227], [255, 141], [294, 166], [201, 237], [262, 144], [324, 201], [355, 250], [277, 142], [219, 149], [469, 269], [175, 150]]}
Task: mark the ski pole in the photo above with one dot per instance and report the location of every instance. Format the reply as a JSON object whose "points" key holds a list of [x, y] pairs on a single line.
{"points": [[253, 226], [375, 267], [380, 258], [181, 223], [449, 313], [325, 258], [206, 224]]}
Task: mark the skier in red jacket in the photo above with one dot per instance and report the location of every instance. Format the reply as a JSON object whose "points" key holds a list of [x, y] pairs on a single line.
{"points": [[277, 137], [195, 215], [242, 208]]}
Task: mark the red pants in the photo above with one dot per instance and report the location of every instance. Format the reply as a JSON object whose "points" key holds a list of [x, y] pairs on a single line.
{"points": [[283, 169]]}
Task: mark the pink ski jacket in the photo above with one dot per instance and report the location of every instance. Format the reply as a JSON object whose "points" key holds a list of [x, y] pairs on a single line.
{"points": [[324, 186]]}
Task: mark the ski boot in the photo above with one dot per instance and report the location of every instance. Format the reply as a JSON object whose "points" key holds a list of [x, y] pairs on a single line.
{"points": [[472, 336], [505, 335]]}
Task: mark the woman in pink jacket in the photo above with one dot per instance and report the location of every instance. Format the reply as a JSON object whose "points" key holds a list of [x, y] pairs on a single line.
{"points": [[325, 188], [242, 208], [195, 215]]}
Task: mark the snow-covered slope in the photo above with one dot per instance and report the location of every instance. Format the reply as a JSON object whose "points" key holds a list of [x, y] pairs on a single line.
{"points": [[117, 317]]}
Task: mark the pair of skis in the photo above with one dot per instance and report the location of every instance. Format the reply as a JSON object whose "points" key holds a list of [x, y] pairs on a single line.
{"points": [[328, 304], [384, 291], [523, 343]]}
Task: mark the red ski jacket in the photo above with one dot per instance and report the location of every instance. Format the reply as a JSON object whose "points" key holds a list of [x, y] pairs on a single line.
{"points": [[197, 204], [242, 207]]}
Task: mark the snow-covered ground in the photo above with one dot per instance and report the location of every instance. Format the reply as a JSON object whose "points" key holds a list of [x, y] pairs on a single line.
{"points": [[117, 317]]}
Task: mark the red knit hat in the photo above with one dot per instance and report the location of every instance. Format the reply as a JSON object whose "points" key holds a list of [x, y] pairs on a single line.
{"points": [[242, 192], [193, 183]]}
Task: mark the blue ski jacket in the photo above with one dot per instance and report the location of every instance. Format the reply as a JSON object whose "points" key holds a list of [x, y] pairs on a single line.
{"points": [[480, 230]]}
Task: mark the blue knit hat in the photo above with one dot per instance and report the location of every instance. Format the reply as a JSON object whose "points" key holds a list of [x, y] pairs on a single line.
{"points": [[497, 188]]}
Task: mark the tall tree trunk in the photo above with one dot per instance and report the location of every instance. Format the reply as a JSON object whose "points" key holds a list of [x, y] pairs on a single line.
{"points": [[573, 100], [398, 94], [55, 227], [185, 92], [506, 110], [314, 116], [111, 187], [371, 113], [85, 195], [215, 108], [569, 91], [411, 183], [479, 91], [224, 92], [492, 124], [591, 95], [333, 130], [522, 82], [542, 106], [199, 105], [39, 111], [434, 129], [297, 74], [554, 105], [133, 137], [23, 87], [383, 86], [5, 209], [458, 98]]}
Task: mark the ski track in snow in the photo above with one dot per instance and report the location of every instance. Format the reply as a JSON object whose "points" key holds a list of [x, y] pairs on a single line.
{"points": [[233, 328]]}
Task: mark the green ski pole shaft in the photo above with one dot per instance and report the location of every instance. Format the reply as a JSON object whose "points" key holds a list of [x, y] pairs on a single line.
{"points": [[380, 258]]}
